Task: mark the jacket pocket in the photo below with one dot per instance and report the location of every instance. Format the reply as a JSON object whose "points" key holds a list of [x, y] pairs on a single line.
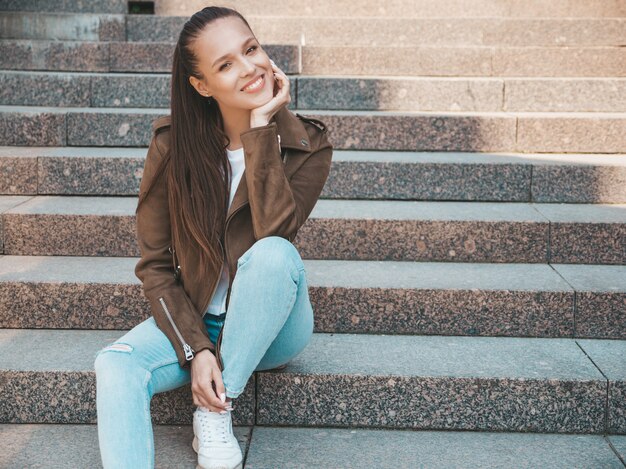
{"points": [[186, 347]]}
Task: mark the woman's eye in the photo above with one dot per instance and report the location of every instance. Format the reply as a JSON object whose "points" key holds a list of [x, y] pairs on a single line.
{"points": [[253, 47]]}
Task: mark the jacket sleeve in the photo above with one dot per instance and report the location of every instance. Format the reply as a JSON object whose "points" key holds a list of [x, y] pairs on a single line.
{"points": [[171, 307], [279, 207]]}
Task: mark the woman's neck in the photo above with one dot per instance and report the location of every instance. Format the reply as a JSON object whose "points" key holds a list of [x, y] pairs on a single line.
{"points": [[235, 122]]}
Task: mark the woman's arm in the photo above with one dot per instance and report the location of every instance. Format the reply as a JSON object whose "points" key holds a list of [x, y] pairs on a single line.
{"points": [[280, 206], [170, 305]]}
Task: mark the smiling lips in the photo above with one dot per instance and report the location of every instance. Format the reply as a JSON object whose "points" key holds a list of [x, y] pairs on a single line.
{"points": [[255, 85]]}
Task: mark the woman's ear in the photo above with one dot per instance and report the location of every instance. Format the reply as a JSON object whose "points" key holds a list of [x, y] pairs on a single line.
{"points": [[198, 86]]}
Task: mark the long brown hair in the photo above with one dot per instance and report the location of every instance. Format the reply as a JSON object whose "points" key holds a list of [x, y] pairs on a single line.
{"points": [[198, 192]]}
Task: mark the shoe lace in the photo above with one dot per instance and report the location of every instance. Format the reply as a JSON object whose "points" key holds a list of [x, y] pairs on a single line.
{"points": [[215, 427]]}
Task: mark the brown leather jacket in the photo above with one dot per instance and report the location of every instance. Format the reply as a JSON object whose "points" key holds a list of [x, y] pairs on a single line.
{"points": [[287, 163]]}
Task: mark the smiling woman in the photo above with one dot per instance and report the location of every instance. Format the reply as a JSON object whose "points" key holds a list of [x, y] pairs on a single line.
{"points": [[229, 178]]}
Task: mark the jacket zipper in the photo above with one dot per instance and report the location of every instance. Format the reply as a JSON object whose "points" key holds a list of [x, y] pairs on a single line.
{"points": [[204, 310], [186, 347]]}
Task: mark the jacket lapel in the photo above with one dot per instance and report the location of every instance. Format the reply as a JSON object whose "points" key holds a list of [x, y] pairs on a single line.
{"points": [[293, 136]]}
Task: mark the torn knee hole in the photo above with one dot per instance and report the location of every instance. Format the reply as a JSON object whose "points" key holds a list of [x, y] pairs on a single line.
{"points": [[120, 347]]}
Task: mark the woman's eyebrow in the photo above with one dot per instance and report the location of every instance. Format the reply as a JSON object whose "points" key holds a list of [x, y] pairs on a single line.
{"points": [[229, 54]]}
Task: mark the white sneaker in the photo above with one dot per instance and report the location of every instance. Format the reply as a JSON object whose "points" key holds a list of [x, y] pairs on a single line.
{"points": [[214, 441]]}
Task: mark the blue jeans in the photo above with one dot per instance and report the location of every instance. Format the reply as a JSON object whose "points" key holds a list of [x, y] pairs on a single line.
{"points": [[268, 322]]}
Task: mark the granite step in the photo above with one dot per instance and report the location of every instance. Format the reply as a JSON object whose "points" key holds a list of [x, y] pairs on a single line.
{"points": [[465, 61], [503, 177], [447, 231], [531, 132], [390, 297], [70, 6], [376, 31], [326, 31], [63, 26], [412, 8], [70, 446], [393, 382], [111, 56], [363, 93], [452, 61]]}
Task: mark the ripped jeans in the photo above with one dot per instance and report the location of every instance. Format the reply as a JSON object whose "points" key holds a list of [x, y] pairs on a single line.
{"points": [[268, 322]]}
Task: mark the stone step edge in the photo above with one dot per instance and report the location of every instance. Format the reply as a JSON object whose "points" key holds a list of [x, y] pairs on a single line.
{"points": [[7, 109], [371, 156], [325, 76], [48, 442], [528, 212], [565, 277]]}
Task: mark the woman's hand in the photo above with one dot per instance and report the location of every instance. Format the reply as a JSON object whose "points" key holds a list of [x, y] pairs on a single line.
{"points": [[204, 372], [262, 115]]}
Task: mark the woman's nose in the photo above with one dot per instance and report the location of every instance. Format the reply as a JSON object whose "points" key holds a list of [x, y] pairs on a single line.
{"points": [[248, 66]]}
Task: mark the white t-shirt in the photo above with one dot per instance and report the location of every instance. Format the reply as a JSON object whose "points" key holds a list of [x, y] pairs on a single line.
{"points": [[217, 305]]}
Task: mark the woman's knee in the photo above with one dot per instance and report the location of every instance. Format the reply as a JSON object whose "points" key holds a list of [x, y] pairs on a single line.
{"points": [[272, 252], [114, 366]]}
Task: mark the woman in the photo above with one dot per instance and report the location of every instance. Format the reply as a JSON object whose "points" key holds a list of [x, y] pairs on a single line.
{"points": [[228, 180]]}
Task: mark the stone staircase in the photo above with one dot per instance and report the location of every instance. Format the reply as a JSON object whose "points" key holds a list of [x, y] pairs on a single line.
{"points": [[466, 263]]}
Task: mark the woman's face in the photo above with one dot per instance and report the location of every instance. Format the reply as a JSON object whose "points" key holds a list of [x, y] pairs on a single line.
{"points": [[225, 77]]}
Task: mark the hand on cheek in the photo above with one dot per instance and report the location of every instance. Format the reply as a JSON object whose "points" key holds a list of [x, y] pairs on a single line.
{"points": [[281, 97]]}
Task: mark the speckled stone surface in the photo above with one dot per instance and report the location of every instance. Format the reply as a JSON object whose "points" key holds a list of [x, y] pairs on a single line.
{"points": [[120, 127], [55, 292], [427, 175], [440, 298], [425, 230], [130, 90], [436, 382], [54, 55], [381, 60], [428, 9], [141, 57], [604, 133], [57, 384], [435, 94], [149, 28], [20, 126], [387, 130], [464, 61], [604, 94], [610, 357], [92, 176], [70, 6], [329, 30], [378, 230], [6, 203], [578, 230], [600, 299], [354, 174], [18, 175], [331, 448], [76, 226], [71, 446], [358, 130], [32, 88], [559, 61], [63, 26], [410, 94], [579, 184], [356, 296]]}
